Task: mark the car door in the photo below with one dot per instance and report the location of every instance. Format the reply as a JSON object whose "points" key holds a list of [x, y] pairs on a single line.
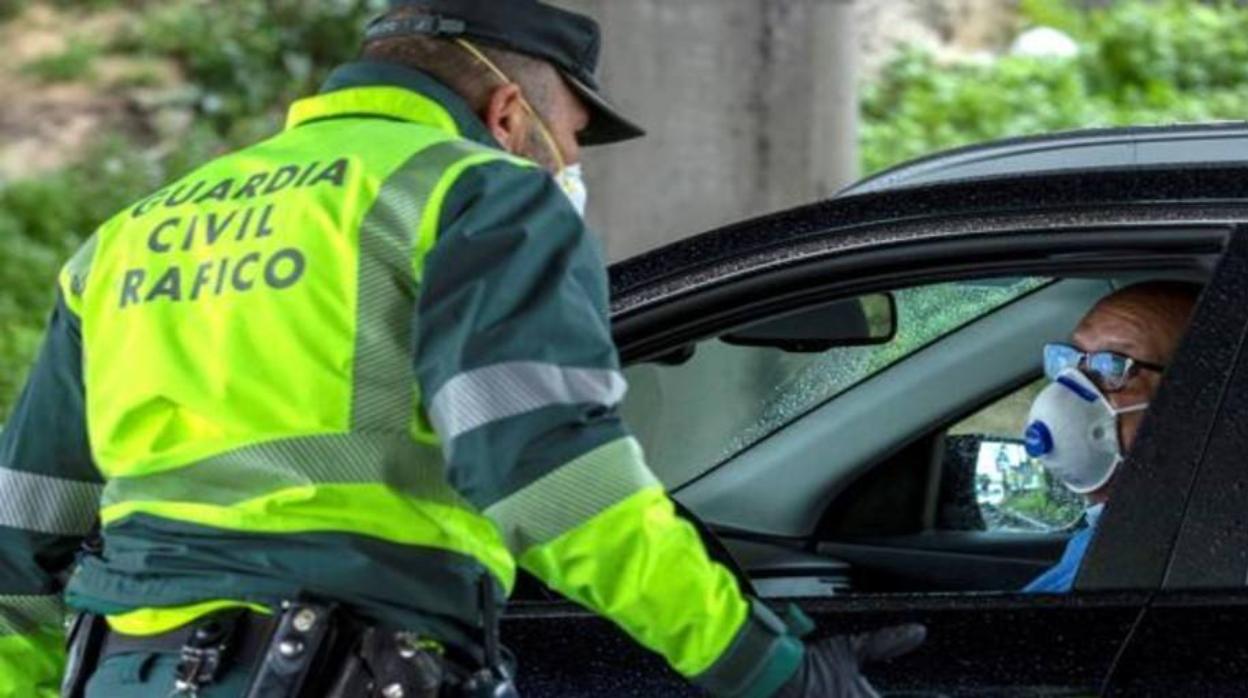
{"points": [[1191, 636], [988, 644]]}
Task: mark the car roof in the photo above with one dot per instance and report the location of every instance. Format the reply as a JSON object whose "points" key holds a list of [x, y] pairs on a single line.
{"points": [[1179, 173], [1081, 150]]}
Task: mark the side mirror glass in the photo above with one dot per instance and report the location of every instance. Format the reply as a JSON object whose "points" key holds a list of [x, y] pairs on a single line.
{"points": [[990, 484], [1014, 492]]}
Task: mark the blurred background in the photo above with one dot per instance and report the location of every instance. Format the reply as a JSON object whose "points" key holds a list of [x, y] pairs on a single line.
{"points": [[752, 105]]}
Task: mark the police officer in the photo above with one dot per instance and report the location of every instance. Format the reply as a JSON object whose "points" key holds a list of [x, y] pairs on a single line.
{"points": [[323, 396]]}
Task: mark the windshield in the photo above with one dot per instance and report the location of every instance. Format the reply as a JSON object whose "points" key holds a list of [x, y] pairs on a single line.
{"points": [[726, 398]]}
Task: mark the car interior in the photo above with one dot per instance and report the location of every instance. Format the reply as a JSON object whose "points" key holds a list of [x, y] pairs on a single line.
{"points": [[872, 444]]}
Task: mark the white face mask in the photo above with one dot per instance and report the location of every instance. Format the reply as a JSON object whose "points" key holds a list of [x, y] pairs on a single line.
{"points": [[1073, 430], [571, 180]]}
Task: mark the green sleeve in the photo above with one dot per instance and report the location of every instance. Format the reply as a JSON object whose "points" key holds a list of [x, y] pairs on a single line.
{"points": [[514, 353], [522, 383], [49, 500]]}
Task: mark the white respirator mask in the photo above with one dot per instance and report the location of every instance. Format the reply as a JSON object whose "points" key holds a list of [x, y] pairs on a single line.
{"points": [[570, 178], [1073, 431]]}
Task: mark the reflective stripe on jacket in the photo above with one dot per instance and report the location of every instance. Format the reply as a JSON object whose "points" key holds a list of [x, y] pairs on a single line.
{"points": [[368, 359]]}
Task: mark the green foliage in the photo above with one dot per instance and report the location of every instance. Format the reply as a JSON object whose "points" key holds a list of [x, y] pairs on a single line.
{"points": [[1141, 63], [1053, 504], [248, 59], [919, 106], [139, 75], [12, 8], [251, 57], [42, 221], [1145, 53], [74, 63], [1062, 15], [80, 5]]}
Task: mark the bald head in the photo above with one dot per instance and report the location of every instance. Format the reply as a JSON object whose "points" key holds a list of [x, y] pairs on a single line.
{"points": [[1145, 321]]}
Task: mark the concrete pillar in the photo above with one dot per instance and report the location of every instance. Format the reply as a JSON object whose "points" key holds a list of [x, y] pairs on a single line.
{"points": [[834, 143], [750, 104]]}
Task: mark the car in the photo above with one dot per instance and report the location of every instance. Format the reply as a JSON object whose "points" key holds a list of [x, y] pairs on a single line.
{"points": [[832, 394]]}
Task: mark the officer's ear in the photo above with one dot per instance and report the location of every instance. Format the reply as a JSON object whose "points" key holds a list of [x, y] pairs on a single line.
{"points": [[507, 117]]}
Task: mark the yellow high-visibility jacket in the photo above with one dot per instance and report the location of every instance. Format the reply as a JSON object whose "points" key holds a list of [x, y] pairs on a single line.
{"points": [[370, 360]]}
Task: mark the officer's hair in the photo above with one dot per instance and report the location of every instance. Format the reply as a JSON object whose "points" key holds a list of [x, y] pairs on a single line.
{"points": [[460, 70]]}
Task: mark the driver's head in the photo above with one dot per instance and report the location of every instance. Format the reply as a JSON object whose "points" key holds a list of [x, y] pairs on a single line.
{"points": [[1081, 426], [1144, 322]]}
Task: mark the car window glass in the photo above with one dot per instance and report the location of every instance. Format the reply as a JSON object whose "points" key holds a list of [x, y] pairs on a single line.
{"points": [[989, 483], [726, 398]]}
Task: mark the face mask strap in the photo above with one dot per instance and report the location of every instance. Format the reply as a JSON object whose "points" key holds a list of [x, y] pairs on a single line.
{"points": [[1086, 384], [1138, 407], [541, 123], [1115, 411], [1118, 458]]}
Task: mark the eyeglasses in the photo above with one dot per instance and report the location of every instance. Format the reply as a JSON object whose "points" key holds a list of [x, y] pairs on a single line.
{"points": [[1108, 369]]}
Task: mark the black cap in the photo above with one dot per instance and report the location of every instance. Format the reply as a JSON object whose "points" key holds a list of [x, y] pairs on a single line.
{"points": [[569, 41]]}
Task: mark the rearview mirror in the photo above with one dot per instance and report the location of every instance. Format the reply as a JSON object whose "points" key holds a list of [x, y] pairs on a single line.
{"points": [[865, 320]]}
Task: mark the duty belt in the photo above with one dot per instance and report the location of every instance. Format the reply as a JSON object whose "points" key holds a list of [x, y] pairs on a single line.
{"points": [[308, 650]]}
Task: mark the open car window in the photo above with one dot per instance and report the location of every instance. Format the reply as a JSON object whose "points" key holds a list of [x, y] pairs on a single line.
{"points": [[726, 398]]}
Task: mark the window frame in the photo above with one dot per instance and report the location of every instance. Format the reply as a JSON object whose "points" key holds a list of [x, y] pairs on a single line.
{"points": [[1022, 250]]}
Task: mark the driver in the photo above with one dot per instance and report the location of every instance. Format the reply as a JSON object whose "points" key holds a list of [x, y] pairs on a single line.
{"points": [[1087, 418]]}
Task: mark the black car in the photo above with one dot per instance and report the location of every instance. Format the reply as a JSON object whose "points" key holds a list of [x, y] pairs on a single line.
{"points": [[834, 395]]}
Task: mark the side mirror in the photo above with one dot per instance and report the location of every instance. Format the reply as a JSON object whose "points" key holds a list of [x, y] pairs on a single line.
{"points": [[1001, 467], [865, 320], [1012, 491]]}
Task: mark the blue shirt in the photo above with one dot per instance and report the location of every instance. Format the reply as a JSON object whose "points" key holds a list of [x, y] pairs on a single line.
{"points": [[1061, 577]]}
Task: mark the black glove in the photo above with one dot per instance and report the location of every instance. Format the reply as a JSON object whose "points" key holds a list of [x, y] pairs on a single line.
{"points": [[830, 668]]}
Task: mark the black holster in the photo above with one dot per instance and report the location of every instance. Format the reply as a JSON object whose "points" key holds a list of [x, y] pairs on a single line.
{"points": [[303, 652], [82, 653], [386, 663]]}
